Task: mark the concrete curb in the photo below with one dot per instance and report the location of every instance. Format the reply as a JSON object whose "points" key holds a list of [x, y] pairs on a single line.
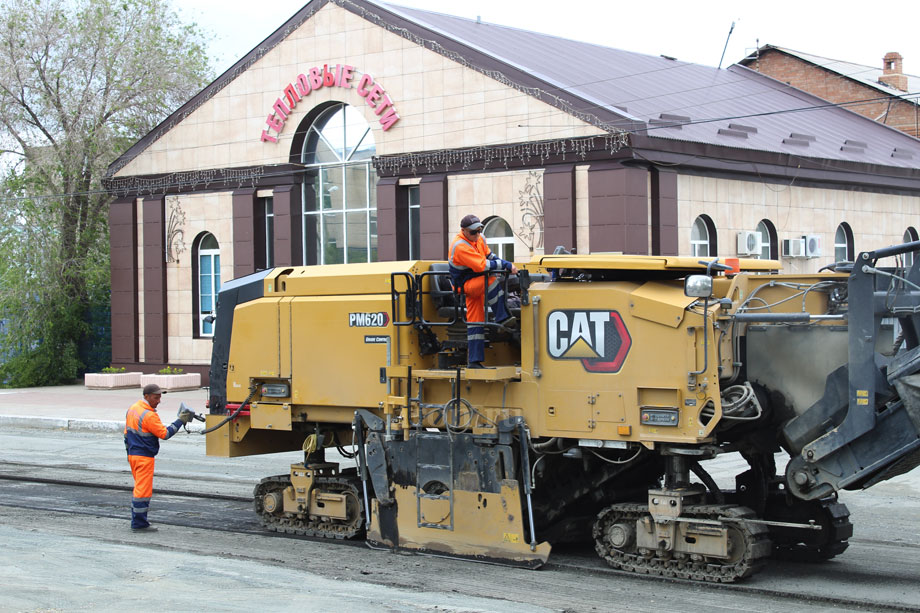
{"points": [[64, 423]]}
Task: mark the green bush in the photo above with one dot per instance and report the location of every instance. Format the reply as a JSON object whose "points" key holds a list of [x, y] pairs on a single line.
{"points": [[45, 349], [113, 370], [170, 371]]}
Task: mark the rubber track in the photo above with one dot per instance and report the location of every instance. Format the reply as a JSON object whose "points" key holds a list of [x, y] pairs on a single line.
{"points": [[289, 523], [757, 545]]}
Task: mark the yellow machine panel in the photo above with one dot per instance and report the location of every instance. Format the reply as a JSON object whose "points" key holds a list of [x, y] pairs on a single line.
{"points": [[600, 352], [359, 330], [257, 323]]}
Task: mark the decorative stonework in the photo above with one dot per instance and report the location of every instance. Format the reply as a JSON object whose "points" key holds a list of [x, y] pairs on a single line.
{"points": [[530, 200], [248, 176], [175, 231], [505, 155]]}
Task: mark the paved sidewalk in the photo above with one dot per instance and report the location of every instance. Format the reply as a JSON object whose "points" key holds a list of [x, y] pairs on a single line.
{"points": [[73, 407]]}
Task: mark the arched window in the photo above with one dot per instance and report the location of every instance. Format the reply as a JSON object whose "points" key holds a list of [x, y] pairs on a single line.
{"points": [[843, 243], [499, 237], [340, 208], [910, 235], [703, 237], [768, 240], [207, 281]]}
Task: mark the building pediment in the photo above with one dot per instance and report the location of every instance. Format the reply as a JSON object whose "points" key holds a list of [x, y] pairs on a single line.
{"points": [[421, 89]]}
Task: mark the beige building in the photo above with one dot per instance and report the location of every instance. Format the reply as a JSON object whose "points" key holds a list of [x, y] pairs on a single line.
{"points": [[361, 131]]}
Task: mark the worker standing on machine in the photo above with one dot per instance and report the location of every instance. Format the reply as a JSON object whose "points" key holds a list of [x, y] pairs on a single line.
{"points": [[469, 259], [143, 429]]}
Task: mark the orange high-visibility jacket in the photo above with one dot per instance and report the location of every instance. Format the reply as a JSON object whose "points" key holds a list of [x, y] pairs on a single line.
{"points": [[143, 429], [466, 258]]}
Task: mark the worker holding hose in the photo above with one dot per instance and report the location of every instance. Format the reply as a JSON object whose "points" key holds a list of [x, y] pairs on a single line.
{"points": [[143, 431]]}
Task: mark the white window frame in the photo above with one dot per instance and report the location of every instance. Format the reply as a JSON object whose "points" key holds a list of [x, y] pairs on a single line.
{"points": [[323, 187], [842, 247], [764, 227], [502, 246], [910, 235], [214, 256], [269, 208], [413, 196], [699, 238]]}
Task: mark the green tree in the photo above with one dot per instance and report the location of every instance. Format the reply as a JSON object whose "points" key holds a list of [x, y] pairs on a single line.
{"points": [[80, 81]]}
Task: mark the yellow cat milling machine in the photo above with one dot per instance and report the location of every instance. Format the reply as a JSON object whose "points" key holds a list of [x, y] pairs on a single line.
{"points": [[623, 376]]}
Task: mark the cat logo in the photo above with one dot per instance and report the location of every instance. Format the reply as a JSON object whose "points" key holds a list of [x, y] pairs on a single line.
{"points": [[598, 338]]}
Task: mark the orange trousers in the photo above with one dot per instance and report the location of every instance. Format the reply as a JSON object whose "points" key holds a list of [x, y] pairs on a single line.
{"points": [[476, 298], [475, 290], [142, 470]]}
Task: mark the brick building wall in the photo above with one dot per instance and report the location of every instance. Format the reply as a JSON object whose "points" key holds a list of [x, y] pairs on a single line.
{"points": [[838, 89]]}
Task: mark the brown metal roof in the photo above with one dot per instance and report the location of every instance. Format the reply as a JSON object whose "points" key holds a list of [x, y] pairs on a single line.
{"points": [[734, 107]]}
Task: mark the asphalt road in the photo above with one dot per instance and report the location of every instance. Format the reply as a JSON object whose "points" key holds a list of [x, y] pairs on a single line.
{"points": [[70, 549]]}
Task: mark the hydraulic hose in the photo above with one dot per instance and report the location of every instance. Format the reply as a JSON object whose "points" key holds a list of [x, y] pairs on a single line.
{"points": [[547, 445], [708, 481], [235, 414]]}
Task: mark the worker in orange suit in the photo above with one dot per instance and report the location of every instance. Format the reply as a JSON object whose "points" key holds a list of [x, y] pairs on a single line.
{"points": [[469, 257], [143, 431]]}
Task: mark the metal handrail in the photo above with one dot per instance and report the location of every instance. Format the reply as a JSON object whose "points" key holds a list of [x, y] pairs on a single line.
{"points": [[460, 297], [411, 302], [433, 276]]}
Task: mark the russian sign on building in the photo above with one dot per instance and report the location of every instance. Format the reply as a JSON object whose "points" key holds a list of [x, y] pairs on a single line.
{"points": [[316, 78]]}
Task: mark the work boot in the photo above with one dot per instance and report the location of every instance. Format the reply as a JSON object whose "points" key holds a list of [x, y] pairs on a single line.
{"points": [[477, 366], [509, 324], [144, 529]]}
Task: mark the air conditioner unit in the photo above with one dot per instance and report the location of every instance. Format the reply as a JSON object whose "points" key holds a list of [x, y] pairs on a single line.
{"points": [[749, 243], [812, 245], [793, 247]]}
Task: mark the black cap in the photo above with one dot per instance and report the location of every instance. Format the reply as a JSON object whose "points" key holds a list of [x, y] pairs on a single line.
{"points": [[152, 388], [470, 222]]}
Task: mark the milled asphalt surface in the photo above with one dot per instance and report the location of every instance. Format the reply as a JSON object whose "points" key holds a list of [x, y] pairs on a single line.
{"points": [[74, 407], [94, 562]]}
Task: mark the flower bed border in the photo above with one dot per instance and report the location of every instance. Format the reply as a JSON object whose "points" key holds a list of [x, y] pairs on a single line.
{"points": [[173, 383], [112, 380]]}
